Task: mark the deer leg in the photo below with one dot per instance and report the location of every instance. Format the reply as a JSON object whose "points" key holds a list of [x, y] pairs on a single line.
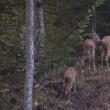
{"points": [[107, 63], [102, 62], [83, 62], [84, 58], [93, 60], [74, 88], [102, 57], [89, 62], [68, 91], [69, 100]]}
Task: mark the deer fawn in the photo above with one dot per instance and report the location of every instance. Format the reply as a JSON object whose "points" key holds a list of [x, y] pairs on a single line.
{"points": [[105, 50], [89, 46], [70, 78]]}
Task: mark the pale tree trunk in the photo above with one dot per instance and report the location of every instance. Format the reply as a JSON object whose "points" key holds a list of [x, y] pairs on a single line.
{"points": [[40, 28], [28, 87]]}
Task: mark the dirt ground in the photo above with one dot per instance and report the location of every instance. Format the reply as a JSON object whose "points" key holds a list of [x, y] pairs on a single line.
{"points": [[93, 93]]}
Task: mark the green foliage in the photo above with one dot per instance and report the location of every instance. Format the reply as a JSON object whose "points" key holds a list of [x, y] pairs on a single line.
{"points": [[12, 56], [89, 15], [103, 21], [68, 23]]}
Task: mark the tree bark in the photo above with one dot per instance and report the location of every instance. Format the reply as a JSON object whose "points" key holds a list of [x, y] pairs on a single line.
{"points": [[40, 30], [28, 87]]}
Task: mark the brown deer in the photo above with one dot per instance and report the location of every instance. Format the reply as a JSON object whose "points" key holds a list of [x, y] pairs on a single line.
{"points": [[105, 51], [70, 75], [89, 46]]}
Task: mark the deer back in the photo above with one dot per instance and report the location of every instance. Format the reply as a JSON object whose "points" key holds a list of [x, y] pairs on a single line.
{"points": [[89, 47], [69, 78], [106, 45], [70, 72]]}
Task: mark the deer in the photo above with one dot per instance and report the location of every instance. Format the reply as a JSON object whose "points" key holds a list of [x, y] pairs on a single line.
{"points": [[70, 75], [89, 47], [105, 54]]}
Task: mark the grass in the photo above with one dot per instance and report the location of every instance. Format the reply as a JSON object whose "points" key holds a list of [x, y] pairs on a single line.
{"points": [[93, 93]]}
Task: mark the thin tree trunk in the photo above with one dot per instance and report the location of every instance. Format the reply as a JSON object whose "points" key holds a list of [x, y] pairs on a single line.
{"points": [[28, 87], [40, 28]]}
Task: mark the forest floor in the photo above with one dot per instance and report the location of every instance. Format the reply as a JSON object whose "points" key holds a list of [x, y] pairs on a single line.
{"points": [[93, 93]]}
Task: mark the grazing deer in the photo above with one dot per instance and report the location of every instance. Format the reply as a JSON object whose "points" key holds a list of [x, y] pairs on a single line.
{"points": [[89, 46], [70, 75], [105, 51]]}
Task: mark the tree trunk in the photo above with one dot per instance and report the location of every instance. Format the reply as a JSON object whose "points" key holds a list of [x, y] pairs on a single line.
{"points": [[28, 87], [40, 30], [40, 26]]}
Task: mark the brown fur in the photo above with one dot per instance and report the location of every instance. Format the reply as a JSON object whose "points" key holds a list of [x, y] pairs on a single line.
{"points": [[89, 46], [70, 75], [105, 50]]}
